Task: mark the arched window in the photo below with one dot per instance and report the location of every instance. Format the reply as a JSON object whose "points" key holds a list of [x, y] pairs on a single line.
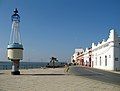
{"points": [[105, 60]]}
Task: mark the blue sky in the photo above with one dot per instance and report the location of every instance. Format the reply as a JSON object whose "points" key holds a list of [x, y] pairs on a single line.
{"points": [[56, 27]]}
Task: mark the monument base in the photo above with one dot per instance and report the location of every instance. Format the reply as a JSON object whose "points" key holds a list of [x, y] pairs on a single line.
{"points": [[15, 73]]}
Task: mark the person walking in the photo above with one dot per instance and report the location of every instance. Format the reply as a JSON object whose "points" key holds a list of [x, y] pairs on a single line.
{"points": [[66, 67]]}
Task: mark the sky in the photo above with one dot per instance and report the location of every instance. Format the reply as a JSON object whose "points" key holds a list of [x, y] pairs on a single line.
{"points": [[56, 27]]}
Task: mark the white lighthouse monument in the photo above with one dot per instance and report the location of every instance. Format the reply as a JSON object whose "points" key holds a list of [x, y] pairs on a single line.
{"points": [[15, 47]]}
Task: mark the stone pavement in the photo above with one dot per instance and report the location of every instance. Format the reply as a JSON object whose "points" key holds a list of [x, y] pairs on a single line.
{"points": [[52, 80], [96, 74]]}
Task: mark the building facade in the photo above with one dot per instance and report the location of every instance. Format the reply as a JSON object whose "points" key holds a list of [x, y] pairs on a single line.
{"points": [[75, 57], [105, 55]]}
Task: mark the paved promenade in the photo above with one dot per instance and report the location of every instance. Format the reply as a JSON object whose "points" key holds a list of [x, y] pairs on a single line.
{"points": [[96, 74], [55, 80]]}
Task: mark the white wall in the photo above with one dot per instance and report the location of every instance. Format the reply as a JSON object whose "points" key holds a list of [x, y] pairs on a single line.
{"points": [[108, 49], [105, 55], [75, 55], [86, 56]]}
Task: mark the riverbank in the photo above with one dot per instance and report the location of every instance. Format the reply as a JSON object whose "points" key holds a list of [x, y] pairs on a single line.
{"points": [[51, 80]]}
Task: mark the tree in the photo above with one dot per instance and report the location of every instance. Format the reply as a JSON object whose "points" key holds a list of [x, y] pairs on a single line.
{"points": [[53, 60]]}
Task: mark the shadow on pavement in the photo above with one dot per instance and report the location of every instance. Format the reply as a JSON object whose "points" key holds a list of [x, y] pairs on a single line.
{"points": [[96, 74], [1, 73], [44, 74]]}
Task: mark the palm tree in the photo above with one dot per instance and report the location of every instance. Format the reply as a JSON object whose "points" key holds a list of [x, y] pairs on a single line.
{"points": [[53, 60]]}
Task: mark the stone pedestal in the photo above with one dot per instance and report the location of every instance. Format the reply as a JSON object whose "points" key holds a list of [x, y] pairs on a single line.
{"points": [[15, 67]]}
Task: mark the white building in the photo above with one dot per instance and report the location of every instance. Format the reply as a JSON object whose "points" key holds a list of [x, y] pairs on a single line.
{"points": [[105, 55], [87, 57], [75, 55]]}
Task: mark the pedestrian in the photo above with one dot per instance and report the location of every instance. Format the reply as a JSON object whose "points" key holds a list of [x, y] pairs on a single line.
{"points": [[66, 67]]}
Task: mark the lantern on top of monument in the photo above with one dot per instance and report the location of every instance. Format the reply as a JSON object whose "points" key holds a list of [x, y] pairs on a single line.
{"points": [[15, 47]]}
